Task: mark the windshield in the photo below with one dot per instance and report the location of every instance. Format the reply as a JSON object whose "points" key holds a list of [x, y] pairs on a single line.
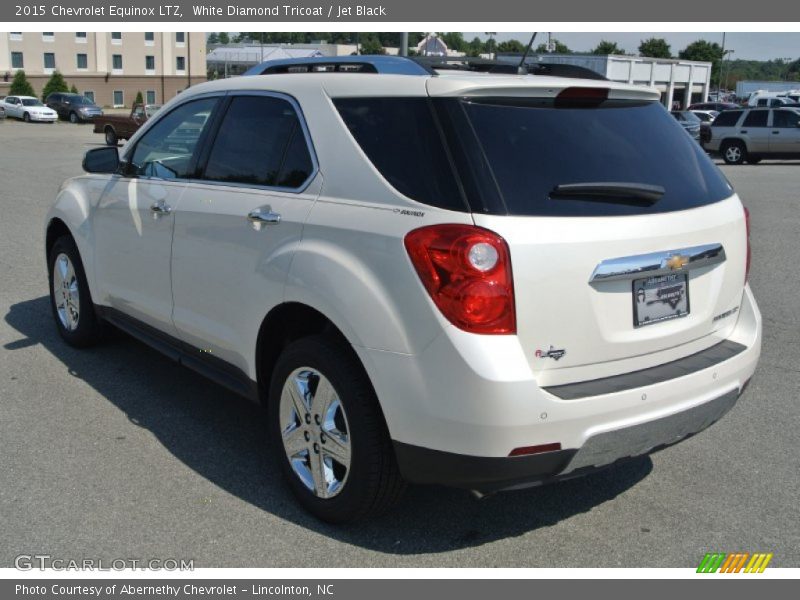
{"points": [[31, 102], [79, 100]]}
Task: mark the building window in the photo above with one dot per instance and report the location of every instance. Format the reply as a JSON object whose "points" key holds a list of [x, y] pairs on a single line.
{"points": [[149, 38], [82, 61], [89, 94], [80, 37], [150, 65], [15, 36], [49, 61], [116, 62], [119, 99], [16, 60], [180, 63], [48, 36], [116, 37], [180, 38], [150, 97]]}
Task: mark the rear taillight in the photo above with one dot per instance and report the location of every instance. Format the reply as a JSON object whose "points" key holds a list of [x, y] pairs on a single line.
{"points": [[467, 272], [747, 228]]}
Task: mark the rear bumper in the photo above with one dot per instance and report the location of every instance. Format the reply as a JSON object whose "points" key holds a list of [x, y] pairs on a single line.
{"points": [[486, 475], [455, 412]]}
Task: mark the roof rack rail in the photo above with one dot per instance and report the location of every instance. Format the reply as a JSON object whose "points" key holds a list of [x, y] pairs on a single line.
{"points": [[425, 65]]}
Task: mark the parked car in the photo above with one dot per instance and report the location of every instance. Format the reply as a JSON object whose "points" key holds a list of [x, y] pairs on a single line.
{"points": [[416, 274], [28, 109], [706, 118], [763, 101], [122, 127], [689, 121], [718, 106], [75, 107], [752, 134]]}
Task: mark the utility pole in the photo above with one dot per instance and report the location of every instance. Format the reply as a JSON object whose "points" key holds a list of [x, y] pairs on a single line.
{"points": [[404, 44], [722, 58]]}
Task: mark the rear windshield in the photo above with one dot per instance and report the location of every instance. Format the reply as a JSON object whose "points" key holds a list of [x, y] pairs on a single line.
{"points": [[509, 154]]}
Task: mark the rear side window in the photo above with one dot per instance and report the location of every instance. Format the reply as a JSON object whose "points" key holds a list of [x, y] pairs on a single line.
{"points": [[260, 142], [727, 118], [756, 118], [401, 138]]}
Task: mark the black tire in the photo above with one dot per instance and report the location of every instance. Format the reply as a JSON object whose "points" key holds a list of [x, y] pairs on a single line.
{"points": [[753, 160], [373, 482], [111, 136], [26, 117], [89, 328], [73, 117], [734, 152]]}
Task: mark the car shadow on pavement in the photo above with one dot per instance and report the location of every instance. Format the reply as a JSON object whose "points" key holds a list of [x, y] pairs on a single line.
{"points": [[221, 437]]}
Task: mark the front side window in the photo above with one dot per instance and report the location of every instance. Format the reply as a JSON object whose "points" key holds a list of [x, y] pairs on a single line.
{"points": [[756, 118], [166, 149], [785, 119], [260, 142]]}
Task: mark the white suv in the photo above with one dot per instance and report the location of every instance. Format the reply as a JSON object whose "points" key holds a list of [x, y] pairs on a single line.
{"points": [[460, 277]]}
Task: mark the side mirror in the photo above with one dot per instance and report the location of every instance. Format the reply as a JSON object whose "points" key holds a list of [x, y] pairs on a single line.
{"points": [[101, 160]]}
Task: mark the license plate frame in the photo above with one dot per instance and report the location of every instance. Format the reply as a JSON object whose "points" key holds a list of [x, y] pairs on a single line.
{"points": [[660, 298]]}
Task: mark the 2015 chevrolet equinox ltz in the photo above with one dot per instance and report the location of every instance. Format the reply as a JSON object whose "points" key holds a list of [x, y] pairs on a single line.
{"points": [[462, 277]]}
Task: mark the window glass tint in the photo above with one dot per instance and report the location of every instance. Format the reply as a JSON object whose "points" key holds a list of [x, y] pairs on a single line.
{"points": [[166, 149], [534, 145], [727, 118], [785, 118], [252, 143], [401, 138], [756, 118], [297, 165]]}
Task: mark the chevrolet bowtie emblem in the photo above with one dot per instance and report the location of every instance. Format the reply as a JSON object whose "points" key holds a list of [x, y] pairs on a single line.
{"points": [[677, 262]]}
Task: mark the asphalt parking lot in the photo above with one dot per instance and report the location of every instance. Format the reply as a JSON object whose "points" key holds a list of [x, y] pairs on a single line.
{"points": [[115, 452]]}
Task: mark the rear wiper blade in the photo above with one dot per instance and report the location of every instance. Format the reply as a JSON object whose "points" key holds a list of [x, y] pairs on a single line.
{"points": [[610, 191]]}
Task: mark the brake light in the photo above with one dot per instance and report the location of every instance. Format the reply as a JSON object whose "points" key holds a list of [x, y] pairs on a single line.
{"points": [[466, 270], [747, 229], [581, 97]]}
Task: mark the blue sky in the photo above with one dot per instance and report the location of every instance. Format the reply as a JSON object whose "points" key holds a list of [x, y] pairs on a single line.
{"points": [[748, 46]]}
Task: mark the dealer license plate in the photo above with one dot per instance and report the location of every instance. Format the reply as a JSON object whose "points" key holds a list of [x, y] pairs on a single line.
{"points": [[660, 298]]}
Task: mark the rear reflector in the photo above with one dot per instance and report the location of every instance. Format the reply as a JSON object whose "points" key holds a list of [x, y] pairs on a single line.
{"points": [[527, 450]]}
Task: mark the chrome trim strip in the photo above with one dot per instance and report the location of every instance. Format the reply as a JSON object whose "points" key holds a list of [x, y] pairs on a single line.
{"points": [[658, 263]]}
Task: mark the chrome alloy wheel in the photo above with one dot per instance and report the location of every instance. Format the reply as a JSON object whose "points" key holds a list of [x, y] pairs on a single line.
{"points": [[733, 154], [315, 433], [65, 292]]}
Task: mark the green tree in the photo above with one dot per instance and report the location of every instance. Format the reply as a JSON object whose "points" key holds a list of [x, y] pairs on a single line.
{"points": [[224, 38], [655, 48], [73, 89], [56, 83], [476, 47], [511, 47], [20, 86], [559, 48], [371, 45], [139, 98], [455, 41], [704, 51], [212, 38], [606, 47]]}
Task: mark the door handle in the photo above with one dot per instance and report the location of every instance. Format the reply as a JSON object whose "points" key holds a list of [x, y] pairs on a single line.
{"points": [[775, 132], [160, 208], [263, 216], [743, 131]]}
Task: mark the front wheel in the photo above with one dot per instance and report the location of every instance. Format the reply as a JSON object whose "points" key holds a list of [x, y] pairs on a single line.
{"points": [[26, 117], [734, 153], [111, 137], [70, 299], [328, 433], [753, 160], [73, 118]]}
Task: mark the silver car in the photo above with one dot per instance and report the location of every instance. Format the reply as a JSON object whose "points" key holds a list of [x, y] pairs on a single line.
{"points": [[755, 133]]}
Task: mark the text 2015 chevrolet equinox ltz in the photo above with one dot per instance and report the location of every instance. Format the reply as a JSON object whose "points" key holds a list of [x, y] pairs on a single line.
{"points": [[482, 280]]}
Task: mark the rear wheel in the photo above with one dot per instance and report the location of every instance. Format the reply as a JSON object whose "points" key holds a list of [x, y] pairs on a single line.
{"points": [[70, 299], [328, 432], [734, 152], [111, 136]]}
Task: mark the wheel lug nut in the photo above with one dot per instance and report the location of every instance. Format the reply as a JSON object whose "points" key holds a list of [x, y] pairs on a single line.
{"points": [[308, 418], [317, 419], [316, 448], [307, 436], [322, 438]]}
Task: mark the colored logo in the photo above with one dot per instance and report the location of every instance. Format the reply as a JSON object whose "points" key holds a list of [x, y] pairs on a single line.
{"points": [[677, 262], [737, 562], [553, 353]]}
